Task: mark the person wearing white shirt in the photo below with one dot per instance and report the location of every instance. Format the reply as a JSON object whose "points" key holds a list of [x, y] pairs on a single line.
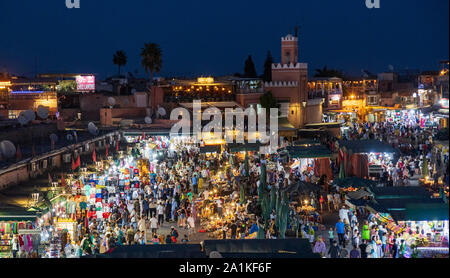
{"points": [[330, 201], [343, 214], [160, 212], [154, 224]]}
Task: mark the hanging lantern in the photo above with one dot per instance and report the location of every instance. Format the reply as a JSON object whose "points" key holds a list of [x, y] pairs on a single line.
{"points": [[55, 185], [35, 196]]}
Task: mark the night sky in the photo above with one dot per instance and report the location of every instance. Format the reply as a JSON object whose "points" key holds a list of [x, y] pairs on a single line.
{"points": [[214, 37]]}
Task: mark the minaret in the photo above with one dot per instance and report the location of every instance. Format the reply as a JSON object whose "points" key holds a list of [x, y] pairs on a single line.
{"points": [[289, 50]]}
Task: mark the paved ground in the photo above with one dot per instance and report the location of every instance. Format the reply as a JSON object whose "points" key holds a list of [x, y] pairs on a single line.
{"points": [[329, 220]]}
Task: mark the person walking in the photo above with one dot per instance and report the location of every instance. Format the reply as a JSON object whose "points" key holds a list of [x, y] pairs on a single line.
{"points": [[154, 225], [355, 253], [160, 212], [363, 249], [335, 250], [331, 235], [340, 230], [319, 247], [366, 231], [330, 202]]}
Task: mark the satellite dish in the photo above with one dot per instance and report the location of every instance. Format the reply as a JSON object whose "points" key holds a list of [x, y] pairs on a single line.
{"points": [[148, 120], [162, 111], [30, 115], [54, 137], [93, 129], [391, 67], [111, 101], [69, 137], [22, 118], [215, 255], [7, 149], [42, 112]]}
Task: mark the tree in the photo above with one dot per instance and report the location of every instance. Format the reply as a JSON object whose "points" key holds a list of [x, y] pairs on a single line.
{"points": [[267, 75], [151, 56], [325, 72], [120, 59], [267, 101], [249, 68], [66, 86]]}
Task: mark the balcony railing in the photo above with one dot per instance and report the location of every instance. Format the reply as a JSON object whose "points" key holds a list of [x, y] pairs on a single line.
{"points": [[250, 91]]}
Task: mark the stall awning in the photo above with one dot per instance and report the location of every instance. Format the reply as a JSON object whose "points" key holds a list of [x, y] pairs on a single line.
{"points": [[317, 151], [306, 142], [17, 215], [323, 125], [353, 182], [426, 212], [356, 195], [210, 149], [236, 147], [366, 146]]}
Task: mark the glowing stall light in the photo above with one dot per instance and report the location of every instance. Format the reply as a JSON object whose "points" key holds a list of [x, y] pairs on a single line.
{"points": [[27, 92]]}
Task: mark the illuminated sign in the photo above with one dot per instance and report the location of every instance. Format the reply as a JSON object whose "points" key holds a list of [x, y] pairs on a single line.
{"points": [[205, 80], [85, 83], [335, 98], [27, 92], [444, 103], [4, 84]]}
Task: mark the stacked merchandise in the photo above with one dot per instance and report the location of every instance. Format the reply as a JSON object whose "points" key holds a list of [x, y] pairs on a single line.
{"points": [[5, 246], [55, 246]]}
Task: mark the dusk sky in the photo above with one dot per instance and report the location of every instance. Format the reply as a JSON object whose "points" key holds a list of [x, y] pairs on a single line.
{"points": [[215, 37]]}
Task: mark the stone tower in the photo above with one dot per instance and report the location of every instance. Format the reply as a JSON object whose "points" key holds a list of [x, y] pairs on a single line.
{"points": [[289, 49], [289, 81]]}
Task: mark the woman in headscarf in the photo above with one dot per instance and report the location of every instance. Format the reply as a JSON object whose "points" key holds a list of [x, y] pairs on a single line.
{"points": [[366, 231]]}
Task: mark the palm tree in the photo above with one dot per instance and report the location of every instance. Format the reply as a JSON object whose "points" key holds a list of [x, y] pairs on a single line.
{"points": [[151, 56], [120, 59], [326, 72]]}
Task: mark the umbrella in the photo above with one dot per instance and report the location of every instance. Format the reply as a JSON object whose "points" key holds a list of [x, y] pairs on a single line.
{"points": [[425, 166], [262, 182], [230, 160], [265, 207], [273, 198], [282, 214], [261, 233], [341, 171], [241, 193], [246, 165], [348, 162]]}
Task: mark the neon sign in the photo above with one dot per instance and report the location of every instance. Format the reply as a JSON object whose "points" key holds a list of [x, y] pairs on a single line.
{"points": [[27, 92], [85, 83]]}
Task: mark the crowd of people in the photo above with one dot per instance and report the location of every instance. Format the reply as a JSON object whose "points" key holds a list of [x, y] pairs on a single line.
{"points": [[218, 194]]}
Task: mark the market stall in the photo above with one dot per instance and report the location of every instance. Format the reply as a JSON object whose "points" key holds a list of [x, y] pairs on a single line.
{"points": [[366, 158], [311, 159], [17, 223]]}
